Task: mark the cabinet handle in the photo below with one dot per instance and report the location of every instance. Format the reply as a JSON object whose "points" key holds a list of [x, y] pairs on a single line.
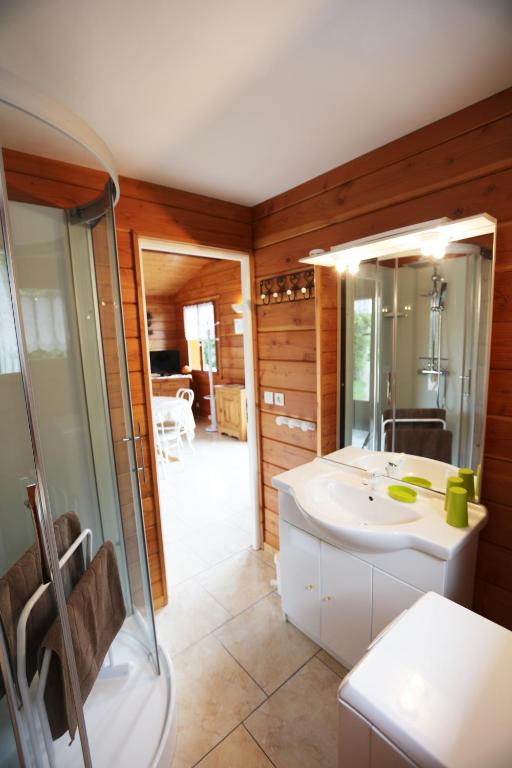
{"points": [[309, 587], [327, 598]]}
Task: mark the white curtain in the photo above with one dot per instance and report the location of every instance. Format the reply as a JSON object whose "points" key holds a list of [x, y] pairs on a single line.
{"points": [[198, 320], [44, 319], [9, 357]]}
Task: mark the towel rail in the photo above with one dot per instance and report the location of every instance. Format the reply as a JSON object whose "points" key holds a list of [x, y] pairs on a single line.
{"points": [[21, 653], [409, 421]]}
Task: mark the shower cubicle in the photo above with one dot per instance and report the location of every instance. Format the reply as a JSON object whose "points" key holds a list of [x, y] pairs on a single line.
{"points": [[83, 681]]}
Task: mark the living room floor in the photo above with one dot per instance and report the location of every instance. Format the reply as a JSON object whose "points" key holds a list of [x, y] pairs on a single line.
{"points": [[252, 690]]}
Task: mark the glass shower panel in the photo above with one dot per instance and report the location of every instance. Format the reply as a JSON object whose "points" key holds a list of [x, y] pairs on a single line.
{"points": [[129, 440], [23, 561], [431, 353]]}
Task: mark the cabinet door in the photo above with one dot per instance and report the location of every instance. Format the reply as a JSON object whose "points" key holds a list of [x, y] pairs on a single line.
{"points": [[299, 561], [346, 598], [390, 597], [231, 405]]}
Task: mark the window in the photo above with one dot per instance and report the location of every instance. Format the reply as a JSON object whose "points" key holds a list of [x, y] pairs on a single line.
{"points": [[199, 320], [362, 348]]}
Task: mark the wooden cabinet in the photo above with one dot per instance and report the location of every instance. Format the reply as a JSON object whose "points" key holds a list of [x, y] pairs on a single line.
{"points": [[231, 410], [167, 386]]}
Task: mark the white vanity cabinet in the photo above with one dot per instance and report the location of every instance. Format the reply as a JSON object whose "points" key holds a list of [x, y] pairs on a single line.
{"points": [[325, 591], [342, 599], [335, 597], [345, 603]]}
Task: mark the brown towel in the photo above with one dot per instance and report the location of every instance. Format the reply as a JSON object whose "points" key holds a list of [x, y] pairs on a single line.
{"points": [[429, 443], [20, 582], [96, 613]]}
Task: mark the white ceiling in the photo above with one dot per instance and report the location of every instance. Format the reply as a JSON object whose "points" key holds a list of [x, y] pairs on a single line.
{"points": [[243, 99]]}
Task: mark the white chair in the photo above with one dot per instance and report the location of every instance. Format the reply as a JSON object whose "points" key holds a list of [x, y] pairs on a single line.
{"points": [[169, 444], [186, 394]]}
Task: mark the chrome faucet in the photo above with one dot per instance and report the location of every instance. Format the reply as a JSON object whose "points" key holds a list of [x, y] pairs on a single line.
{"points": [[393, 465], [372, 478]]}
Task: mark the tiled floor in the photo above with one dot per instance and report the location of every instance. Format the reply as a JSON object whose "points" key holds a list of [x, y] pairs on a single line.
{"points": [[252, 690]]}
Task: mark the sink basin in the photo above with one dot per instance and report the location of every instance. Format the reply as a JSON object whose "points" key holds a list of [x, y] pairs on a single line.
{"points": [[339, 503], [362, 505], [415, 466]]}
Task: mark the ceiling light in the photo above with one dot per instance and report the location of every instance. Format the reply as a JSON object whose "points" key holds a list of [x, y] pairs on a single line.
{"points": [[353, 267], [434, 244], [341, 266]]}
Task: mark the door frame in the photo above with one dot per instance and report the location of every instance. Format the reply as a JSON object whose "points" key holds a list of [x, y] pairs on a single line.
{"points": [[244, 259]]}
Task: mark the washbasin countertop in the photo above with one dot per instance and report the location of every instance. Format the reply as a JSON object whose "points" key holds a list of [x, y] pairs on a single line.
{"points": [[336, 499], [437, 472]]}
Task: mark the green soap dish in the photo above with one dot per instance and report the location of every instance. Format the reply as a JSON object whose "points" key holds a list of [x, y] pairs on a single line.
{"points": [[402, 493], [422, 482]]}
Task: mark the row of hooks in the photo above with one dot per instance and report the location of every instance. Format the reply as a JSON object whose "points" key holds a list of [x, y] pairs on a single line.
{"points": [[297, 285]]}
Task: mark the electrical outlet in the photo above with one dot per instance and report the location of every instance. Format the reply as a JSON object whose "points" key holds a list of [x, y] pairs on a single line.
{"points": [[268, 398], [279, 398]]}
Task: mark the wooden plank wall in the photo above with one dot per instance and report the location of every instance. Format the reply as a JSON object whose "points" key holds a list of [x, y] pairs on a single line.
{"points": [[458, 166], [147, 210], [164, 323]]}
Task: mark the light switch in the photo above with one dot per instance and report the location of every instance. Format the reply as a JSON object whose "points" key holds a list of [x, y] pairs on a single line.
{"points": [[279, 398], [268, 398]]}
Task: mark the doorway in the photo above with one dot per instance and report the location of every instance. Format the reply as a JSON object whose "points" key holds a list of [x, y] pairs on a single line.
{"points": [[200, 345]]}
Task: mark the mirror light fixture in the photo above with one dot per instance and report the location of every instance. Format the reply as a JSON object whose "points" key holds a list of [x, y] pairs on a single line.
{"points": [[430, 239]]}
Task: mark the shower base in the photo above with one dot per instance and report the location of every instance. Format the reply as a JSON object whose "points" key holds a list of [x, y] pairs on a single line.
{"points": [[131, 720]]}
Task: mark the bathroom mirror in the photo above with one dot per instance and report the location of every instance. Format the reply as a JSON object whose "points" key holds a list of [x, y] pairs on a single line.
{"points": [[415, 321]]}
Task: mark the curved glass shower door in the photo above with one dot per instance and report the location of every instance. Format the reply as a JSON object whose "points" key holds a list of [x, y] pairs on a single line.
{"points": [[118, 445]]}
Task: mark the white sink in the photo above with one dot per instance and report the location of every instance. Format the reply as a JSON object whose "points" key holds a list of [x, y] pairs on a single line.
{"points": [[360, 504], [336, 500], [437, 472]]}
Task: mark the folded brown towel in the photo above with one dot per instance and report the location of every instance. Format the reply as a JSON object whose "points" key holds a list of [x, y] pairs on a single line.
{"points": [[20, 582], [429, 443], [96, 613]]}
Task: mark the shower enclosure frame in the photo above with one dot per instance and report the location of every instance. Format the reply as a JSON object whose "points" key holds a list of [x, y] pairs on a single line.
{"points": [[19, 96]]}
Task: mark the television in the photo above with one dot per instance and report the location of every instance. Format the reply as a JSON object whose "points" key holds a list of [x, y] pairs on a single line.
{"points": [[165, 362]]}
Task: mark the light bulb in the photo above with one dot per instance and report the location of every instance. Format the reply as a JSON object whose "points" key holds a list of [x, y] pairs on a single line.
{"points": [[438, 250], [353, 267], [262, 296], [303, 289], [341, 267], [434, 245], [274, 295], [288, 292]]}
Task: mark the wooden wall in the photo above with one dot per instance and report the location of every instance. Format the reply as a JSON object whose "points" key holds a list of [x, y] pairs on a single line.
{"points": [[458, 166], [164, 323], [145, 210]]}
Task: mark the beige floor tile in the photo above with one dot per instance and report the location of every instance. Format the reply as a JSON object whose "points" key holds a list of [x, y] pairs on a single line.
{"points": [[267, 557], [239, 581], [192, 613], [214, 695], [238, 750], [328, 660], [268, 647], [181, 563], [297, 725], [217, 541]]}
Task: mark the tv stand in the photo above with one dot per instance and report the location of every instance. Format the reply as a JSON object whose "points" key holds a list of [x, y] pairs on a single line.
{"points": [[167, 386]]}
